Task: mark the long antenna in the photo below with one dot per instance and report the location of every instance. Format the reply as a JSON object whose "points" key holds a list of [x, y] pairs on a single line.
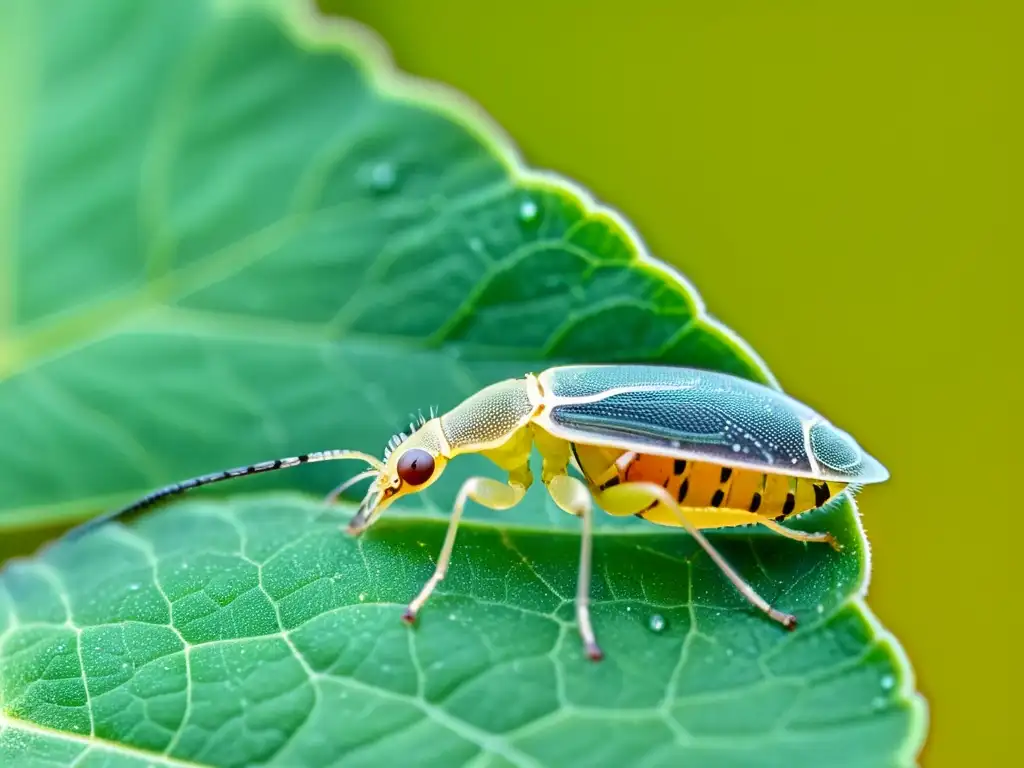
{"points": [[217, 477]]}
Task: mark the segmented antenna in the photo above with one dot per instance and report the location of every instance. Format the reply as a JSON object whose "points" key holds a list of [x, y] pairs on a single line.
{"points": [[228, 474]]}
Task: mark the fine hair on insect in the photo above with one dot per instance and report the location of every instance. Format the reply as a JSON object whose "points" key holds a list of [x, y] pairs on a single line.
{"points": [[677, 447]]}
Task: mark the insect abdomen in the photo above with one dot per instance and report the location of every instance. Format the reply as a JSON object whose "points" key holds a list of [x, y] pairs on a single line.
{"points": [[723, 495]]}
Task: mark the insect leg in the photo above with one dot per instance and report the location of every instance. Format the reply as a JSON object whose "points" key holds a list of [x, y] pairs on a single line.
{"points": [[483, 490], [573, 497], [339, 489], [789, 533], [628, 492]]}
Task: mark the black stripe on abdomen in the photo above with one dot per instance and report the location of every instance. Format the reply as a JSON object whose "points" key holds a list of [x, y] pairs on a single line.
{"points": [[788, 507], [684, 488], [822, 493]]}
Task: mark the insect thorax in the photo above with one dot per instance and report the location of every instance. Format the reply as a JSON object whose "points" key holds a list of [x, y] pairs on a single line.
{"points": [[488, 418]]}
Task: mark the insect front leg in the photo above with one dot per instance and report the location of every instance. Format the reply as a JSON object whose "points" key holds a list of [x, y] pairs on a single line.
{"points": [[483, 490], [641, 495], [572, 496]]}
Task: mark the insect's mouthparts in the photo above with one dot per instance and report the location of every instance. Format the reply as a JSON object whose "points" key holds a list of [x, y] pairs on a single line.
{"points": [[359, 523], [365, 514]]}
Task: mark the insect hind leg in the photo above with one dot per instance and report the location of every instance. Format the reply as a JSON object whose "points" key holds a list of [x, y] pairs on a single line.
{"points": [[628, 494], [804, 536]]}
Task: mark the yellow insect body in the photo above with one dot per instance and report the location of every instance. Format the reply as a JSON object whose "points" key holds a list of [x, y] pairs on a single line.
{"points": [[675, 446]]}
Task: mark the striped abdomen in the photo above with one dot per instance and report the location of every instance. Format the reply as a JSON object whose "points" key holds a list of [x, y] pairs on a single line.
{"points": [[706, 486]]}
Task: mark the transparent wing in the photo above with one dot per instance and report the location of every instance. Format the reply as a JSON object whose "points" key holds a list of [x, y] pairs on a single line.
{"points": [[701, 415]]}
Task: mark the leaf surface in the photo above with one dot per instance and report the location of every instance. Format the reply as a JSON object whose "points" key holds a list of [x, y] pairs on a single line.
{"points": [[231, 233]]}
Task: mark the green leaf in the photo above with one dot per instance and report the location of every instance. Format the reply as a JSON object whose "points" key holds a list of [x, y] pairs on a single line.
{"points": [[272, 636], [231, 232], [284, 249]]}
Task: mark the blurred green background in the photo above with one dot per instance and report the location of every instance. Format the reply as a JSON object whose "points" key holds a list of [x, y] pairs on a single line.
{"points": [[838, 180]]}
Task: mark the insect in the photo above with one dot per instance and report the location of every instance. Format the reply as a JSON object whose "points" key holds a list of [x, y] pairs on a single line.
{"points": [[675, 446]]}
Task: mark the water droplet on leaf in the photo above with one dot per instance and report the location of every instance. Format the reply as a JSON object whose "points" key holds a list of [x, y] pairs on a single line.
{"points": [[657, 623], [528, 212], [888, 682], [383, 177]]}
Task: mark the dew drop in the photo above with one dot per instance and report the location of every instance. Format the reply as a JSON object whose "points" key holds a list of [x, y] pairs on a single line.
{"points": [[821, 608], [476, 245], [134, 587], [528, 212], [888, 682], [657, 623], [736, 447], [878, 702], [383, 177], [362, 596]]}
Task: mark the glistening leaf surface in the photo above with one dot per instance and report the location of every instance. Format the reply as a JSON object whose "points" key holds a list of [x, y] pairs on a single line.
{"points": [[273, 638], [230, 234]]}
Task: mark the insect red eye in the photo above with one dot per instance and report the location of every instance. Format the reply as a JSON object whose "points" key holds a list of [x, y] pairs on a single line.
{"points": [[415, 466]]}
